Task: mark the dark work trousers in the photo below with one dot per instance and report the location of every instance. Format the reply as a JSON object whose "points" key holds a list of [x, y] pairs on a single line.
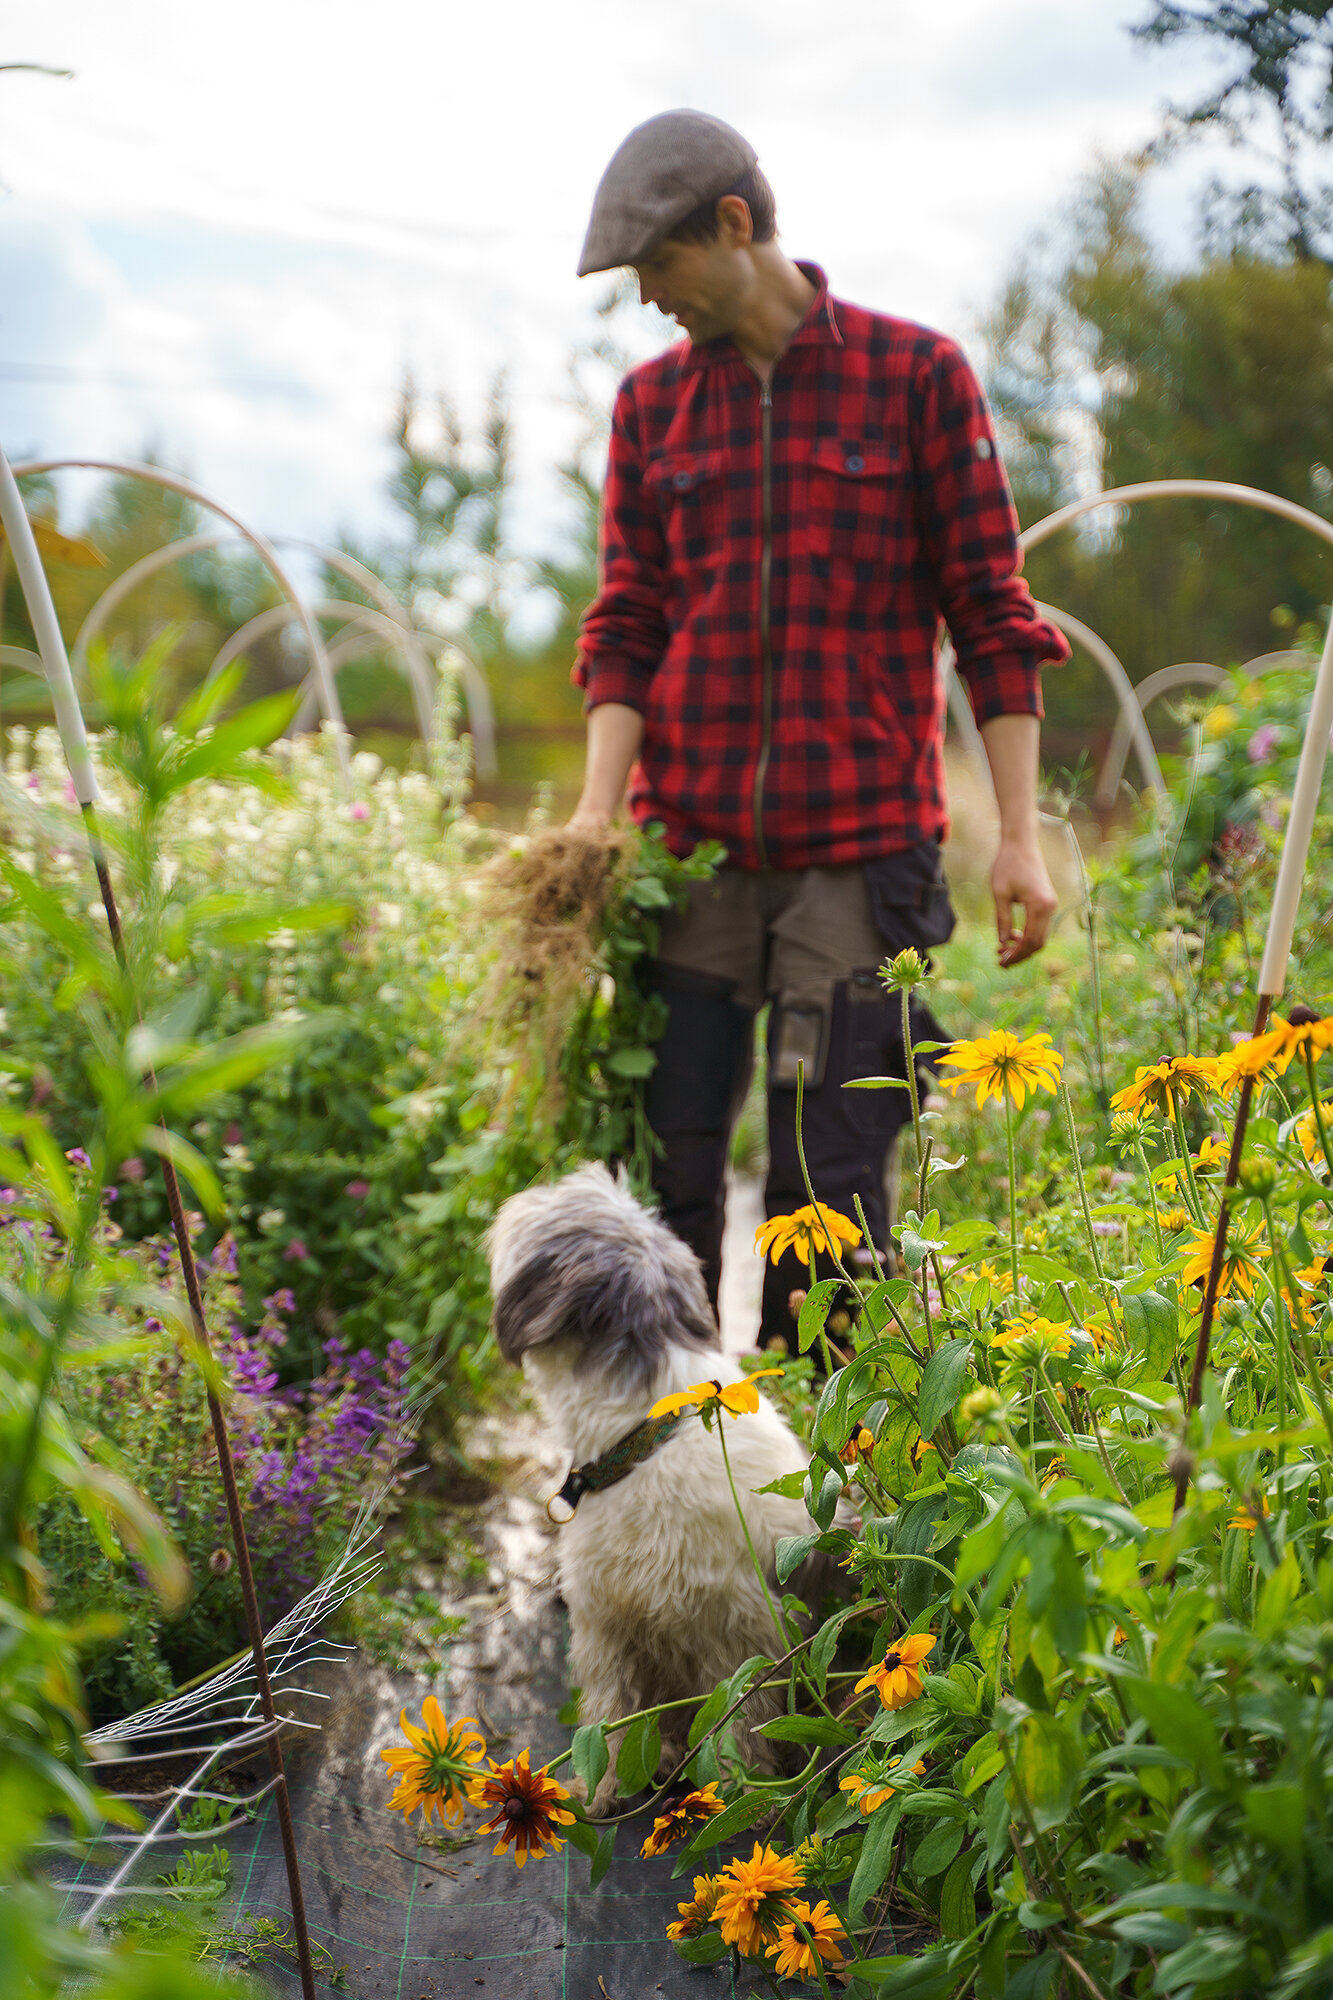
{"points": [[809, 942]]}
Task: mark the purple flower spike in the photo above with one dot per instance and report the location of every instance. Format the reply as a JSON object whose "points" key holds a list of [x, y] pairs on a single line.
{"points": [[78, 1157], [295, 1251], [1262, 744]]}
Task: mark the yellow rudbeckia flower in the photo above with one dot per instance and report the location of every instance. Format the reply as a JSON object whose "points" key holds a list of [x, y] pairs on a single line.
{"points": [[736, 1398], [805, 1231], [1159, 1086], [1001, 1064]]}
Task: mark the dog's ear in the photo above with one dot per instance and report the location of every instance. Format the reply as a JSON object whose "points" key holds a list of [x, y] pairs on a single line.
{"points": [[624, 1309]]}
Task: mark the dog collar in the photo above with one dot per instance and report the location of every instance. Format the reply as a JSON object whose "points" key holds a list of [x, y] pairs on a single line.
{"points": [[599, 1473]]}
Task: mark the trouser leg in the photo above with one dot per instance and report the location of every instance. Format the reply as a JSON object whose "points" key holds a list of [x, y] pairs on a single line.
{"points": [[692, 1101], [847, 1134]]}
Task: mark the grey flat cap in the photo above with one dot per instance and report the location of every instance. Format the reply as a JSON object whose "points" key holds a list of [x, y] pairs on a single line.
{"points": [[666, 167]]}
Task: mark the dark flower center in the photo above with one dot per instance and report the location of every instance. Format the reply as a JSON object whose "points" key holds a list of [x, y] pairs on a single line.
{"points": [[516, 1808], [893, 1661]]}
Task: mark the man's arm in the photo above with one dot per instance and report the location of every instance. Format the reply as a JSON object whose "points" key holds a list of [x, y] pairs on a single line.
{"points": [[1019, 875], [614, 735]]}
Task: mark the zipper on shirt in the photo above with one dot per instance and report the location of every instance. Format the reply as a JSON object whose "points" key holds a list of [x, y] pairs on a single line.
{"points": [[765, 618]]}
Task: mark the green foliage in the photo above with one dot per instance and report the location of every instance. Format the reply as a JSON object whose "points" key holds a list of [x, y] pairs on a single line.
{"points": [[1109, 368], [1280, 92]]}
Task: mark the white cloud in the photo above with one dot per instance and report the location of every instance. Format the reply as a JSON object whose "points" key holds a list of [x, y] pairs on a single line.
{"points": [[310, 202]]}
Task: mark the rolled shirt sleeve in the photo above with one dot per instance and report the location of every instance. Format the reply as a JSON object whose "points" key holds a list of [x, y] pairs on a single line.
{"points": [[970, 532], [624, 630]]}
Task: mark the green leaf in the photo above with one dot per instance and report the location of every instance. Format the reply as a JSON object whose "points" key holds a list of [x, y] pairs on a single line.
{"points": [[261, 723], [1049, 1764], [606, 1848], [979, 1764], [876, 1083], [942, 1382], [1151, 1322], [589, 1755], [937, 1849], [705, 1950], [733, 1819], [790, 1551], [583, 1835], [790, 1486], [631, 1062], [807, 1729], [640, 1751], [1276, 1813], [891, 1460], [1181, 1725], [958, 1903], [875, 1860], [815, 1311], [821, 1500]]}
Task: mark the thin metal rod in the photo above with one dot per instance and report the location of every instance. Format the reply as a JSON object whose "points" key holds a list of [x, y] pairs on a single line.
{"points": [[69, 717], [253, 1623]]}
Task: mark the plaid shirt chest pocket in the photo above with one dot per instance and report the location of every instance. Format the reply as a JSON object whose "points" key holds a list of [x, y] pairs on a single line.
{"points": [[856, 498], [686, 488]]}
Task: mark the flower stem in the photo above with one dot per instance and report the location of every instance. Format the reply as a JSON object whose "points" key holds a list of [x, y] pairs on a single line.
{"points": [[1178, 1111], [1318, 1109], [1081, 1184], [783, 1635], [1152, 1197], [1013, 1195]]}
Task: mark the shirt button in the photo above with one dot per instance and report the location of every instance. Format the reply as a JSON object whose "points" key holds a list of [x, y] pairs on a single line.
{"points": [[983, 447], [681, 480], [855, 462]]}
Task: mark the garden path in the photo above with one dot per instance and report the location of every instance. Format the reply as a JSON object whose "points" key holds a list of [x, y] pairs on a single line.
{"points": [[440, 1925]]}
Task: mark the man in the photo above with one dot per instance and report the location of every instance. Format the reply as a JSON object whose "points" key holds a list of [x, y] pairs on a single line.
{"points": [[796, 496]]}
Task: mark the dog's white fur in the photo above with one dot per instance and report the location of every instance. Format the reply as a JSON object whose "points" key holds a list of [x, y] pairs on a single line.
{"points": [[662, 1596]]}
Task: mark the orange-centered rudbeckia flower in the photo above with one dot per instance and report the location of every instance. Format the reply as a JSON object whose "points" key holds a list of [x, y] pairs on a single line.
{"points": [[1255, 1058], [528, 1808], [680, 1819], [1159, 1086], [896, 1679], [795, 1955], [1001, 1064], [805, 1231], [694, 1915], [736, 1398], [1301, 1041], [869, 1789], [437, 1764], [1237, 1267], [753, 1899]]}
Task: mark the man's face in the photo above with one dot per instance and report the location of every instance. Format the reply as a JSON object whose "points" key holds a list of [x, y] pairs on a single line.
{"points": [[702, 286]]}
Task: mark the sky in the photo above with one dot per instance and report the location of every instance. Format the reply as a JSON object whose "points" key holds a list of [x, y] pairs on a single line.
{"points": [[231, 231]]}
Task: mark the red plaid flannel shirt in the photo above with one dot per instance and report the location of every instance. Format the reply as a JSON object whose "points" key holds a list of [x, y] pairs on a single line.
{"points": [[889, 512]]}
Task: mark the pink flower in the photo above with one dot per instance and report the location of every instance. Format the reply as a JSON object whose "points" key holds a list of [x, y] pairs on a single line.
{"points": [[77, 1155], [1261, 745], [233, 1134], [359, 810], [358, 1190], [132, 1169], [295, 1251]]}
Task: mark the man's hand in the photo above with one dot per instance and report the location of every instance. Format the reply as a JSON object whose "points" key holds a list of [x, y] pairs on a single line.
{"points": [[615, 733], [1020, 877]]}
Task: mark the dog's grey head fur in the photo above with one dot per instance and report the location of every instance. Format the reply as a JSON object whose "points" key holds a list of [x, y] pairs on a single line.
{"points": [[583, 1259]]}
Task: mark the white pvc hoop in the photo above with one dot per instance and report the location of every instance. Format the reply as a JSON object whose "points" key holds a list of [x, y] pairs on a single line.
{"points": [[264, 549], [415, 661], [1314, 751]]}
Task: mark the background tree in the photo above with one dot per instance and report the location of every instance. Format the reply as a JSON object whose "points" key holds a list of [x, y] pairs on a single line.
{"points": [[1277, 101]]}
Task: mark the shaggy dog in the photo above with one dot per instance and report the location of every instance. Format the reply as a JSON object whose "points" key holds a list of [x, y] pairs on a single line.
{"points": [[607, 1312]]}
